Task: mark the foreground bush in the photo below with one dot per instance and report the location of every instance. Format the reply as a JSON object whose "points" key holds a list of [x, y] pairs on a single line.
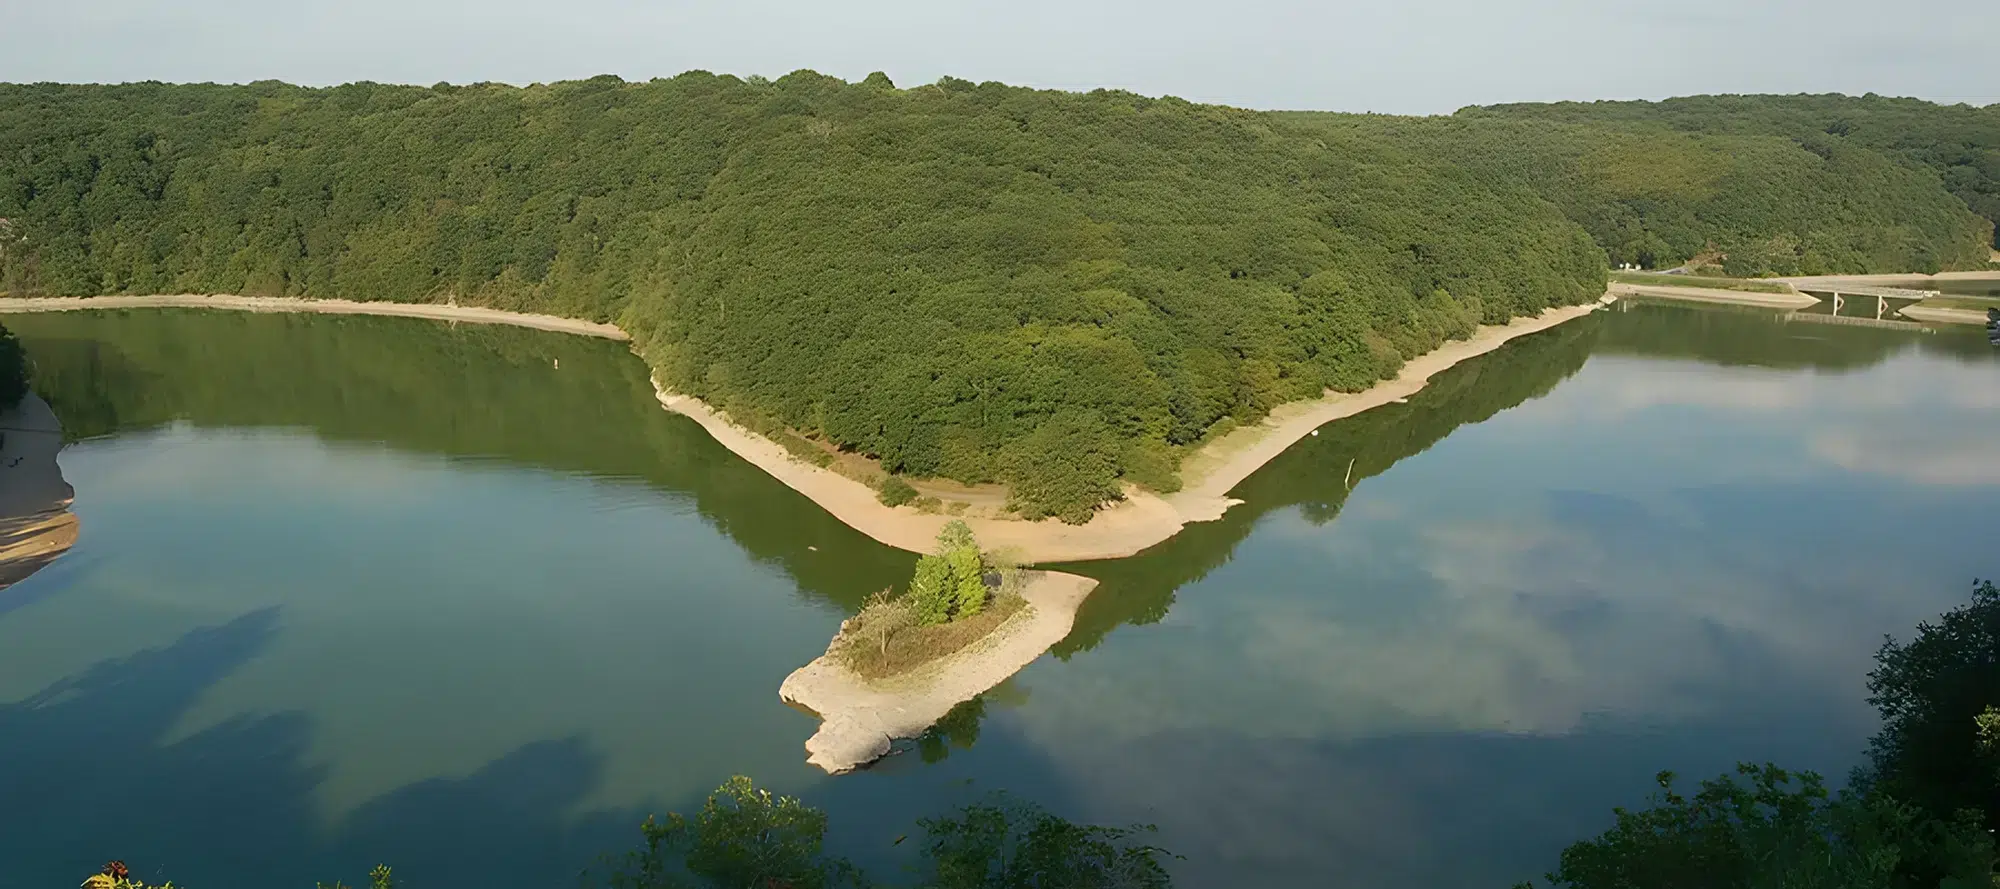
{"points": [[745, 837], [1915, 818], [947, 606]]}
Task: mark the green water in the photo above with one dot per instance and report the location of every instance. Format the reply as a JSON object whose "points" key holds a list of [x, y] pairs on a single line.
{"points": [[464, 599]]}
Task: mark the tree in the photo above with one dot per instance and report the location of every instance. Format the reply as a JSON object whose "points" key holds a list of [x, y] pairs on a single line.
{"points": [[1915, 819], [747, 838], [1776, 829], [1933, 692], [1005, 843], [969, 582], [932, 592], [744, 837]]}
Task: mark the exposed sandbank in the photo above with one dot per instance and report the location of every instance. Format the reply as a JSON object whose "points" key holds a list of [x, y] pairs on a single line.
{"points": [[859, 718], [1209, 474], [435, 311], [36, 526]]}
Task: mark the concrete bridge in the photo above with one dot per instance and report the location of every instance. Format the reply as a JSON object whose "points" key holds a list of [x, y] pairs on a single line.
{"points": [[1881, 295]]}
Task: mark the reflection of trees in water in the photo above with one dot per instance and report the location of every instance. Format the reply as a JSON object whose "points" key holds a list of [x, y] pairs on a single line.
{"points": [[1317, 474], [484, 391], [1736, 337], [957, 730], [90, 765]]}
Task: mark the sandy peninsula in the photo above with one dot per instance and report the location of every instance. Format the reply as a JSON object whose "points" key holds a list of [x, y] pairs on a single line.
{"points": [[36, 526], [1141, 520], [859, 719]]}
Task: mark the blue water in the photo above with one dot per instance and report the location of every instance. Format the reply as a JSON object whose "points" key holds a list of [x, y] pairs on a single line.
{"points": [[312, 628]]}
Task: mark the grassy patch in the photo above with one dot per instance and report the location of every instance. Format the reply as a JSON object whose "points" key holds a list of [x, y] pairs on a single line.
{"points": [[1744, 284], [799, 447], [886, 639]]}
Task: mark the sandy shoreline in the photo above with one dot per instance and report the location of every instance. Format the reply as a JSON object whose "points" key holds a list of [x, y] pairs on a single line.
{"points": [[1123, 529], [433, 311], [859, 719], [36, 526]]}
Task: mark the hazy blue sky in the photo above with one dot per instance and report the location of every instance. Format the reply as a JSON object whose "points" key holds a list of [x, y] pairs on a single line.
{"points": [[1409, 56]]}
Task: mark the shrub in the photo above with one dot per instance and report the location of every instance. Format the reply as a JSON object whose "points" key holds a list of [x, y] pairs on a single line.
{"points": [[896, 492]]}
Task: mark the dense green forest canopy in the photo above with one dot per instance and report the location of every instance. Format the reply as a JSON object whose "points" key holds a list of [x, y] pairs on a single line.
{"points": [[1958, 143], [1757, 185], [1057, 291]]}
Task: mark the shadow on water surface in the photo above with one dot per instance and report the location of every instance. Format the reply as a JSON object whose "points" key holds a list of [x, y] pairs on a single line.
{"points": [[525, 397], [232, 805]]}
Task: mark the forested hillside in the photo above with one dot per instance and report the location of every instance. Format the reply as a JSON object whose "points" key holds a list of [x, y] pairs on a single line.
{"points": [[1960, 144], [1058, 291], [1750, 193]]}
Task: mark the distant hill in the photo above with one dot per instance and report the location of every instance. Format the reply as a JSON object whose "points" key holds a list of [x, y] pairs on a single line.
{"points": [[1058, 291], [1758, 185], [1958, 144]]}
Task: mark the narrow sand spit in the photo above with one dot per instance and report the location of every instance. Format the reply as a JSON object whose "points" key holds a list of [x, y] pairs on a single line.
{"points": [[36, 525], [860, 718], [1712, 295], [471, 314], [1210, 474], [1140, 521], [1126, 528]]}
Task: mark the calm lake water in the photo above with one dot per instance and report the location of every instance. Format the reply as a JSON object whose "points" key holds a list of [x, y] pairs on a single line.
{"points": [[354, 590]]}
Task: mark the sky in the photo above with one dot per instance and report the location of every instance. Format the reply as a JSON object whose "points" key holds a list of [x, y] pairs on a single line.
{"points": [[1393, 56]]}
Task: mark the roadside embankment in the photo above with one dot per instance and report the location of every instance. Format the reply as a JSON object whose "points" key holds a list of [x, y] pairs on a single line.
{"points": [[36, 526], [860, 718]]}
